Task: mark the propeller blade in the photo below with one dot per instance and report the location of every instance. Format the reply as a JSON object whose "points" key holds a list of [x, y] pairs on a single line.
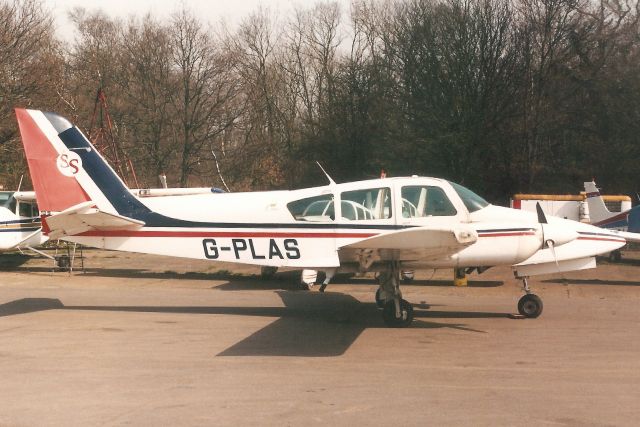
{"points": [[552, 248], [542, 218]]}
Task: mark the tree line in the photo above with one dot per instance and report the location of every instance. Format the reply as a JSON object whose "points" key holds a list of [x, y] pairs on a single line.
{"points": [[503, 96]]}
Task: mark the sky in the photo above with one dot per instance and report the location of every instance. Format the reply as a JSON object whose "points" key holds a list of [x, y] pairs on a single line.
{"points": [[232, 11]]}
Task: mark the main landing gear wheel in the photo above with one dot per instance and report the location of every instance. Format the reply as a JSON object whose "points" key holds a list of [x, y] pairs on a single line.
{"points": [[389, 314], [267, 272], [530, 306], [615, 256], [379, 300]]}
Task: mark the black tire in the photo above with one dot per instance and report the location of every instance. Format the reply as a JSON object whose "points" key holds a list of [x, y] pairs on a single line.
{"points": [[615, 256], [379, 301], [389, 314], [304, 286], [530, 306]]}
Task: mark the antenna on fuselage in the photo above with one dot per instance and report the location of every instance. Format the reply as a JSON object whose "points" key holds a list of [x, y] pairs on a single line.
{"points": [[331, 181]]}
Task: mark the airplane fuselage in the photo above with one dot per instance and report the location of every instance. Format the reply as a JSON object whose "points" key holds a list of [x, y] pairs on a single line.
{"points": [[313, 228], [18, 231]]}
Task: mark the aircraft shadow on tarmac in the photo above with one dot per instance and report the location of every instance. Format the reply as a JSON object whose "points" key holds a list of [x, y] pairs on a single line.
{"points": [[594, 282], [285, 280], [12, 261], [309, 324]]}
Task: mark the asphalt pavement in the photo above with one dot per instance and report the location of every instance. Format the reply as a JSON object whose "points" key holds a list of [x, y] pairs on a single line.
{"points": [[147, 340]]}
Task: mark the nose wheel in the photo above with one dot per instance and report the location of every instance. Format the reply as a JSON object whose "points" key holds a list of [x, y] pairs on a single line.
{"points": [[530, 305]]}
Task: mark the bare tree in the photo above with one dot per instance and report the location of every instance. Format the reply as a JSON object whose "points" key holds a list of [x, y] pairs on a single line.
{"points": [[30, 69], [206, 87], [148, 85]]}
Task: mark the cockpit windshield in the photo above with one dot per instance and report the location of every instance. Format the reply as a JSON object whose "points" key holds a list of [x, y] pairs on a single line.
{"points": [[7, 200], [471, 200]]}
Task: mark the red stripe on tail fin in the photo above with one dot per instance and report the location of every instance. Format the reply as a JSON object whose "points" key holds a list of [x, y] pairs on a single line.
{"points": [[54, 191]]}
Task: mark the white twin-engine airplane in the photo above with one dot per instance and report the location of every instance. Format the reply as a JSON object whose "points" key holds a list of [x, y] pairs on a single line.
{"points": [[381, 225], [18, 231]]}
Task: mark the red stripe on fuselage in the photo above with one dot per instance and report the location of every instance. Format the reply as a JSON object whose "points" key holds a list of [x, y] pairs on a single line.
{"points": [[239, 234], [255, 234]]}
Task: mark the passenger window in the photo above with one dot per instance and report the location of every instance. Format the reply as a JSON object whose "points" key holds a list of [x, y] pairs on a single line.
{"points": [[313, 209], [424, 201], [348, 210], [26, 209], [360, 205]]}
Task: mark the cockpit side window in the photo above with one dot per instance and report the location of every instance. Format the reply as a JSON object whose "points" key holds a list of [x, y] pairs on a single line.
{"points": [[369, 204], [471, 200], [5, 199], [313, 209], [8, 201], [425, 201]]}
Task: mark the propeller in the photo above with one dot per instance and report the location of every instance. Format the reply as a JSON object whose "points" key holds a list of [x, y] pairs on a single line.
{"points": [[553, 236], [542, 218]]}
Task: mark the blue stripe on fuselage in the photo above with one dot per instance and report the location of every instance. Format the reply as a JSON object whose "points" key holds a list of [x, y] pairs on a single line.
{"points": [[22, 221], [103, 176]]}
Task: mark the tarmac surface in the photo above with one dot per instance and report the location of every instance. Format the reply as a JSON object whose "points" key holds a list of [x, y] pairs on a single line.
{"points": [[146, 340]]}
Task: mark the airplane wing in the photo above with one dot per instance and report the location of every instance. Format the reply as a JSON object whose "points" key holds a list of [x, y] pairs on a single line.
{"points": [[418, 243], [628, 236], [86, 217], [26, 240]]}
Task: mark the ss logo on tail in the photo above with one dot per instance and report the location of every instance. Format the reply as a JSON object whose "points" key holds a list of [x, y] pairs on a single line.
{"points": [[69, 163]]}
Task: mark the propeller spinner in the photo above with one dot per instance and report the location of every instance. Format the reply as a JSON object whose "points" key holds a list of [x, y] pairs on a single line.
{"points": [[552, 234]]}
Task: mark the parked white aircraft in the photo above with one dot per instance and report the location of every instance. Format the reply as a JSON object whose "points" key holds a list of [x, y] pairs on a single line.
{"points": [[19, 227], [628, 220], [381, 224]]}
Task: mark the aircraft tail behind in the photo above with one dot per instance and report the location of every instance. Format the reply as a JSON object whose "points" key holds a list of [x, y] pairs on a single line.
{"points": [[66, 170], [598, 211]]}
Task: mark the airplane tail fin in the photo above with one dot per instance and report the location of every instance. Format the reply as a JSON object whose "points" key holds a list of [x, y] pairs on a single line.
{"points": [[597, 209], [67, 171]]}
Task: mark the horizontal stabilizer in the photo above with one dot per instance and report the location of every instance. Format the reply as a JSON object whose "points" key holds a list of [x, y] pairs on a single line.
{"points": [[86, 217]]}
